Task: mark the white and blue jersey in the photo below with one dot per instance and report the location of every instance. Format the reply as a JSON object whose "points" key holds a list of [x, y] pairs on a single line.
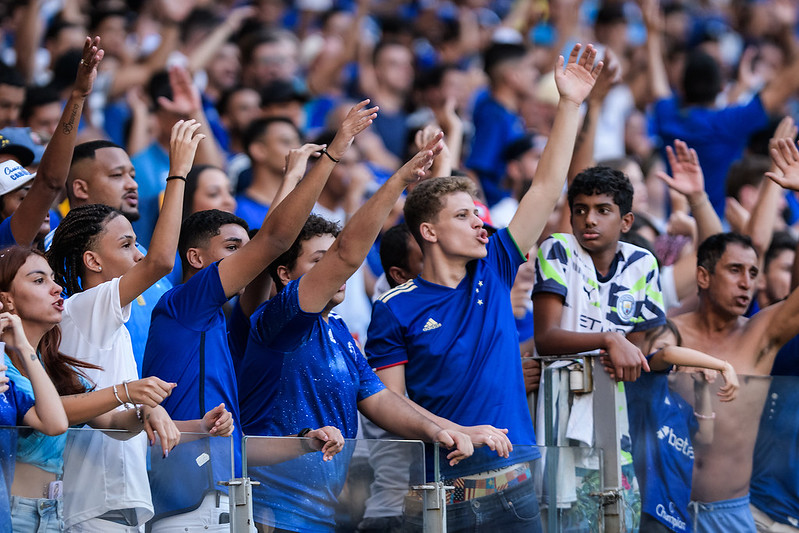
{"points": [[301, 371], [461, 354], [662, 425], [628, 299]]}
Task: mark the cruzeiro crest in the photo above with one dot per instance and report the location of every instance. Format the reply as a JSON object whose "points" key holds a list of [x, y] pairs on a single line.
{"points": [[625, 306]]}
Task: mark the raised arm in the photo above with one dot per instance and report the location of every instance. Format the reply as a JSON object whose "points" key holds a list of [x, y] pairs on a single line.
{"points": [[653, 19], [187, 103], [584, 148], [282, 227], [349, 250], [688, 179], [160, 258], [783, 317], [760, 226], [52, 174], [574, 83]]}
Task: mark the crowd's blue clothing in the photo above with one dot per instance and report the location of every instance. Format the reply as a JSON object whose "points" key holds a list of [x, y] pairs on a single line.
{"points": [[525, 326], [188, 345], [393, 130], [301, 371], [495, 127], [662, 424], [152, 168], [460, 349], [36, 448], [719, 137], [251, 211], [14, 404], [238, 331], [6, 237], [775, 484]]}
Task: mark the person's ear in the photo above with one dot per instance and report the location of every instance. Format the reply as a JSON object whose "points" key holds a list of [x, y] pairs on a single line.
{"points": [[398, 275], [195, 258], [257, 151], [283, 274], [627, 222], [702, 277], [80, 189], [92, 261], [428, 232]]}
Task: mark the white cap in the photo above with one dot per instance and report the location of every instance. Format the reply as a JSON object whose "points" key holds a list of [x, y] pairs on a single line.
{"points": [[13, 176]]}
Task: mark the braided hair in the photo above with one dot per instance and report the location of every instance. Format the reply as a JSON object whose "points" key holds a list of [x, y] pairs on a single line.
{"points": [[74, 235]]}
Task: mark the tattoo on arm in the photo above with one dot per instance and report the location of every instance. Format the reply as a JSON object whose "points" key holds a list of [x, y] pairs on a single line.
{"points": [[68, 126]]}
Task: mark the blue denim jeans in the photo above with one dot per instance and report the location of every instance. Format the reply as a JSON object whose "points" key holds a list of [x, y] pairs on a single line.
{"points": [[37, 515], [514, 510]]}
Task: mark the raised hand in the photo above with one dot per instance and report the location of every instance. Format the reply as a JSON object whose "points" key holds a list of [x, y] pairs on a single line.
{"points": [[687, 177], [182, 146], [87, 70], [358, 119], [576, 80], [149, 391], [297, 158], [327, 440], [786, 157], [218, 422], [185, 96], [415, 169], [653, 18]]}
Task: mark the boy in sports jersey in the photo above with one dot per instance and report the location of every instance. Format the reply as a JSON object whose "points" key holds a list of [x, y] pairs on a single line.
{"points": [[450, 336], [593, 291]]}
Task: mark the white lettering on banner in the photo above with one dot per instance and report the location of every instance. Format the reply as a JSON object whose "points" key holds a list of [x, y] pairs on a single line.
{"points": [[674, 521]]}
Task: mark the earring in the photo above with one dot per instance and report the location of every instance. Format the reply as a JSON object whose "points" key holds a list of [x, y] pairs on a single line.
{"points": [[99, 269]]}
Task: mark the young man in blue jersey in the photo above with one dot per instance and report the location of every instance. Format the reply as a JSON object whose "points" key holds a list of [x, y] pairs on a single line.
{"points": [[188, 337], [449, 336], [323, 378]]}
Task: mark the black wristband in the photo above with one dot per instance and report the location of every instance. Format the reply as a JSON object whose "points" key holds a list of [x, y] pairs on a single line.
{"points": [[183, 178], [306, 446], [333, 159]]}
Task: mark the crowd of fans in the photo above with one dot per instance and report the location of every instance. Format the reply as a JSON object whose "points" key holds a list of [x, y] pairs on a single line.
{"points": [[187, 187]]}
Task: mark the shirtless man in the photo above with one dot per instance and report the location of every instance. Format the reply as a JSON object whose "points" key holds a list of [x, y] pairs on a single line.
{"points": [[727, 266]]}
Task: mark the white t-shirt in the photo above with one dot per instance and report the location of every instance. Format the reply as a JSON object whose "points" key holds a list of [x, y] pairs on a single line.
{"points": [[101, 473]]}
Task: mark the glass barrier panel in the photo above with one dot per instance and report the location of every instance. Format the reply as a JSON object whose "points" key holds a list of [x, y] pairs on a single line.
{"points": [[368, 482], [109, 478], [550, 485], [700, 456]]}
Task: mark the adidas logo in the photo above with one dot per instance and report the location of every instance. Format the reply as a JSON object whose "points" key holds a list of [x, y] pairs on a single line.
{"points": [[431, 325]]}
